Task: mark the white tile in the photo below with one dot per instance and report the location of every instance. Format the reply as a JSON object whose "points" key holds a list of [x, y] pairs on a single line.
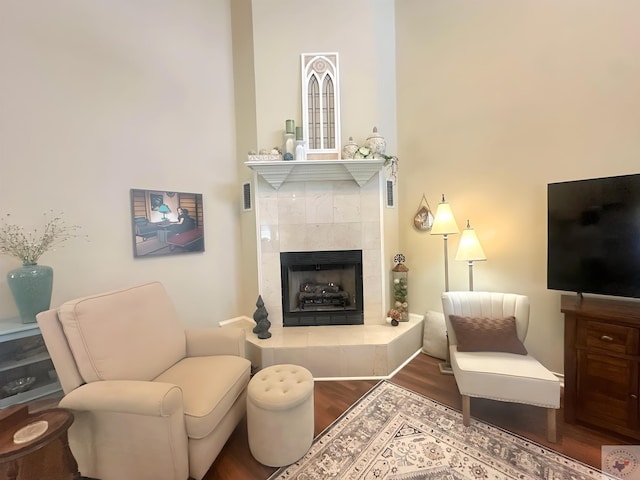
{"points": [[320, 236], [359, 350], [346, 207], [346, 236], [295, 356], [325, 361], [269, 238], [291, 209], [293, 238], [267, 210], [359, 360], [319, 202]]}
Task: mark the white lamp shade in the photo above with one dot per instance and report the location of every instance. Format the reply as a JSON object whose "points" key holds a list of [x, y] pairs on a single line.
{"points": [[469, 248], [444, 223]]}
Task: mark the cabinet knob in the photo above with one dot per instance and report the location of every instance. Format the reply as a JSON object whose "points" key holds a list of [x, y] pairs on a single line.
{"points": [[634, 396], [606, 338]]}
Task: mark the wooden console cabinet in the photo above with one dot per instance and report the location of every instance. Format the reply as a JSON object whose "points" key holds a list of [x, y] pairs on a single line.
{"points": [[601, 358]]}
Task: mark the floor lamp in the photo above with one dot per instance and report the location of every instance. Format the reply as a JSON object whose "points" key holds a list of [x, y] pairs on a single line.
{"points": [[444, 224], [470, 250]]}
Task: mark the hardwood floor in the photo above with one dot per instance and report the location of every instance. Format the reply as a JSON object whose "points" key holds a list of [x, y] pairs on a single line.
{"points": [[423, 376]]}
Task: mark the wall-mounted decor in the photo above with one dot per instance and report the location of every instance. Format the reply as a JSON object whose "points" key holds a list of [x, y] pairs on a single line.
{"points": [[321, 105], [166, 223], [423, 219]]}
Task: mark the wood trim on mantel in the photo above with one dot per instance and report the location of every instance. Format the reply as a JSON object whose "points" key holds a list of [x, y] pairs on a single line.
{"points": [[278, 172]]}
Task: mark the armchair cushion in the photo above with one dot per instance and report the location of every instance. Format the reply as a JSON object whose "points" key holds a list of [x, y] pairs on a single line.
{"points": [[132, 334], [487, 334], [206, 402], [506, 377]]}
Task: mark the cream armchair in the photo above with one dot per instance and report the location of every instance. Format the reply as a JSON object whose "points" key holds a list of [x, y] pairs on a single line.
{"points": [[488, 357], [151, 400]]}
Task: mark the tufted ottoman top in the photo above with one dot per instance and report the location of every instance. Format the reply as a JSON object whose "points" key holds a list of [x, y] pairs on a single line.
{"points": [[280, 387]]}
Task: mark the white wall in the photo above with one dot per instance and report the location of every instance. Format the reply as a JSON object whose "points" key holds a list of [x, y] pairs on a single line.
{"points": [[495, 100], [101, 97]]}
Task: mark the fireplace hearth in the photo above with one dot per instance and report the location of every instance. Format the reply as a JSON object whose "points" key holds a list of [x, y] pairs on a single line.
{"points": [[322, 288]]}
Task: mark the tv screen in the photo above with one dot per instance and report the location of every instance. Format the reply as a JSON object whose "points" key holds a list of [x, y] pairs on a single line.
{"points": [[594, 236]]}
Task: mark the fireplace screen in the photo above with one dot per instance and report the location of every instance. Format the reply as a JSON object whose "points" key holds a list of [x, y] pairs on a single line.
{"points": [[322, 288]]}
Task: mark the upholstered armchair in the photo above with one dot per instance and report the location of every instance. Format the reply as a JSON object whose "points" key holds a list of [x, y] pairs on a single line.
{"points": [[486, 331], [151, 400]]}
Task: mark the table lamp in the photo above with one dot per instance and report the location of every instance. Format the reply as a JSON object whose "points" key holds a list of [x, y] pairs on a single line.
{"points": [[164, 209]]}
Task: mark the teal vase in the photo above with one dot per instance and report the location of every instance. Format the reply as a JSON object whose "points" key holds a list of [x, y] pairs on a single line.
{"points": [[31, 286]]}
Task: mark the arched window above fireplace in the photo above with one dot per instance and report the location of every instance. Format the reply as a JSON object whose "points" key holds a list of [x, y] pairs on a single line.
{"points": [[321, 105]]}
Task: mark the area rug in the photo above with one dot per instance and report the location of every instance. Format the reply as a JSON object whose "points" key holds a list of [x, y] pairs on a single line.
{"points": [[394, 433]]}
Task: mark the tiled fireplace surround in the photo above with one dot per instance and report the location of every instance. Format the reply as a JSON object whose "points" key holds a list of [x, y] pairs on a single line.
{"points": [[328, 214]]}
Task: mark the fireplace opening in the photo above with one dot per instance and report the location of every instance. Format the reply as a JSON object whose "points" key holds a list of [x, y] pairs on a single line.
{"points": [[322, 288]]}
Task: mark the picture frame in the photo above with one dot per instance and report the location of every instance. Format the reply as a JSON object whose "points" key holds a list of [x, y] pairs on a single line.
{"points": [[166, 223]]}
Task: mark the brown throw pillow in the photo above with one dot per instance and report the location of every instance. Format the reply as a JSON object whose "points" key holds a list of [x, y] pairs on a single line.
{"points": [[487, 334]]}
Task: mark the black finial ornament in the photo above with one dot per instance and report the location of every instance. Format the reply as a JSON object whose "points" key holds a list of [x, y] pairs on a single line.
{"points": [[262, 322], [399, 258]]}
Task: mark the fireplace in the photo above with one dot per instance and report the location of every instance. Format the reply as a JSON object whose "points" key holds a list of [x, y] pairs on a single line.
{"points": [[322, 288]]}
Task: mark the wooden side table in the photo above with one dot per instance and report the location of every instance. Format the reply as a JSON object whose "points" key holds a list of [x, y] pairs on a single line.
{"points": [[46, 457]]}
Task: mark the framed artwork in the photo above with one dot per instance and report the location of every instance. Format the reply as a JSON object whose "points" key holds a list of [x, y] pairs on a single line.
{"points": [[166, 223]]}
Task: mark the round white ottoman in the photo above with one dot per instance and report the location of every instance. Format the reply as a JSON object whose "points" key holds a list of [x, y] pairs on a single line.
{"points": [[280, 414]]}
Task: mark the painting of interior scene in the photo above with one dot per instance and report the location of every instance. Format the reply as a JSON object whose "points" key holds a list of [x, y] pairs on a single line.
{"points": [[166, 223]]}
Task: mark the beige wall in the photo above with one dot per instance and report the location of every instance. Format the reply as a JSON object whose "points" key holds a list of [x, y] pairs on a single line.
{"points": [[100, 97], [495, 100], [362, 32], [284, 29]]}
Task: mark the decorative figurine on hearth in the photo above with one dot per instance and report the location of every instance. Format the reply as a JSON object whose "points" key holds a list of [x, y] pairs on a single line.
{"points": [[394, 317], [400, 287], [262, 322]]}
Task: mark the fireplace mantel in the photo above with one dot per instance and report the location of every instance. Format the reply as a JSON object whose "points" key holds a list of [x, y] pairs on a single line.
{"points": [[279, 171]]}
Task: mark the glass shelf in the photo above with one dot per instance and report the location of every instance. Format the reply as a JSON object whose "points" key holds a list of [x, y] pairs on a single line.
{"points": [[22, 353]]}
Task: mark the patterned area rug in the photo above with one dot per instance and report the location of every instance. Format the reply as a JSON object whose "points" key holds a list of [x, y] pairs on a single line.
{"points": [[394, 433]]}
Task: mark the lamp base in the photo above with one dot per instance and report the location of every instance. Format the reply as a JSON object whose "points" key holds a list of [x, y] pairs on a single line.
{"points": [[445, 368]]}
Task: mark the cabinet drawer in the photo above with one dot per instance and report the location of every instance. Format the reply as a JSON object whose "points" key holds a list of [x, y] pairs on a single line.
{"points": [[609, 337]]}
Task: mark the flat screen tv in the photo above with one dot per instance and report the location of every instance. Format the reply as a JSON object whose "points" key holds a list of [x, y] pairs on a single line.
{"points": [[594, 236]]}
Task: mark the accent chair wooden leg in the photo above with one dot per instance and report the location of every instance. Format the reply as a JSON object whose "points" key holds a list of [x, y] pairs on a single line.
{"points": [[551, 425], [466, 410]]}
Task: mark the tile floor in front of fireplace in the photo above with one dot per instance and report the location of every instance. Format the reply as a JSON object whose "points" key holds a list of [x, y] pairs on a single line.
{"points": [[341, 351]]}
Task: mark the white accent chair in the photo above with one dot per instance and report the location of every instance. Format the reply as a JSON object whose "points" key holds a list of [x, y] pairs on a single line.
{"points": [[507, 377], [151, 400]]}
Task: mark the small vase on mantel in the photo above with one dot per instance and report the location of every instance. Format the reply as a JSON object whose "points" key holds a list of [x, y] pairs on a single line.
{"points": [[31, 286]]}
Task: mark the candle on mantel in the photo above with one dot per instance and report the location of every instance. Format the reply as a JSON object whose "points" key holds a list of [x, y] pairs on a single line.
{"points": [[289, 126]]}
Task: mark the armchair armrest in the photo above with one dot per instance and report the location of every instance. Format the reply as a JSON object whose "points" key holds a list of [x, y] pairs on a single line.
{"points": [[123, 427], [154, 399], [215, 341]]}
